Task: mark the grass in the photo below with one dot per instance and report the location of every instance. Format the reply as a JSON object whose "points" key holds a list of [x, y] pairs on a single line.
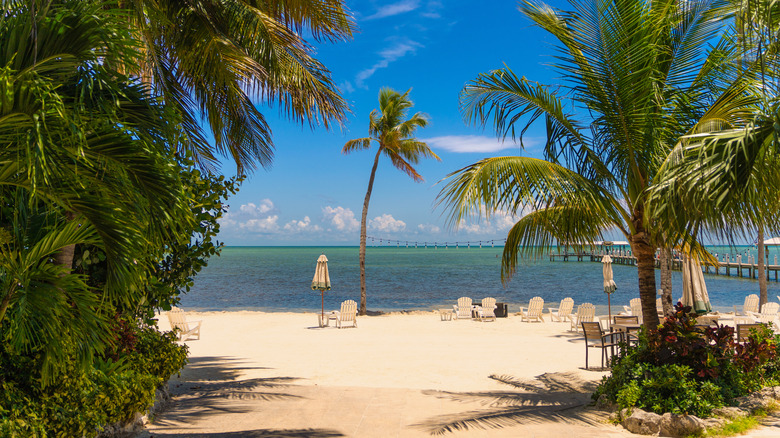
{"points": [[739, 426]]}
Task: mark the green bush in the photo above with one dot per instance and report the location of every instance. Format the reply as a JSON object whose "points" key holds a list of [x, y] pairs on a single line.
{"points": [[682, 370], [158, 353]]}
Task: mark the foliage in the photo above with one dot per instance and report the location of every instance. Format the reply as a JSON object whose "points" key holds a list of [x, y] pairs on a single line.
{"points": [[681, 368]]}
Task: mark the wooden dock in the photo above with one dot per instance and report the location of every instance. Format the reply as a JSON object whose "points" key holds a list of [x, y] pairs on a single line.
{"points": [[727, 268]]}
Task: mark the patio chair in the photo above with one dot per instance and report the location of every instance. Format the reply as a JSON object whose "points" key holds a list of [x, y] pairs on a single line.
{"points": [[487, 309], [347, 314], [534, 312], [562, 313], [743, 331], [596, 338], [585, 313], [184, 329], [463, 309]]}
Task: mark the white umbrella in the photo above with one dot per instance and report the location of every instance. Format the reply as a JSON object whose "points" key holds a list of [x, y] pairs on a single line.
{"points": [[694, 288], [321, 281], [609, 283]]}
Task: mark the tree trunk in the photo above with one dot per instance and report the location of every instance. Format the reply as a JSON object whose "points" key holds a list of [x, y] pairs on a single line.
{"points": [[363, 229], [763, 297], [666, 280], [64, 257], [645, 263]]}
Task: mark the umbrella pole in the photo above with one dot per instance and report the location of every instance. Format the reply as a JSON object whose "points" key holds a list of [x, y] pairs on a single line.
{"points": [[609, 308], [322, 318]]}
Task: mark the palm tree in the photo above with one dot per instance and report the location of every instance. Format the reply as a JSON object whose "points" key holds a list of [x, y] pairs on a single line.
{"points": [[215, 61], [636, 79], [723, 176], [395, 136]]}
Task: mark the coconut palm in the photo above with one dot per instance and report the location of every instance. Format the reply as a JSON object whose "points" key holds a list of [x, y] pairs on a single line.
{"points": [[635, 80], [723, 176], [395, 136], [217, 60]]}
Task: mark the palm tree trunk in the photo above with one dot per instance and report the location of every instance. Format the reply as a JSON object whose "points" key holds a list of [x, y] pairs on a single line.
{"points": [[666, 280], [64, 257], [645, 263], [763, 296], [363, 227]]}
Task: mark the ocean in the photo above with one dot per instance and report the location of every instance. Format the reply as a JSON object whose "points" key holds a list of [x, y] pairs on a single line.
{"points": [[278, 279]]}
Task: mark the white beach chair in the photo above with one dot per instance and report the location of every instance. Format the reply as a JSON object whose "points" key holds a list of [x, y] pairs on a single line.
{"points": [[534, 312], [586, 312], [768, 314], [488, 309], [749, 308], [463, 309], [185, 330], [347, 314], [562, 312]]}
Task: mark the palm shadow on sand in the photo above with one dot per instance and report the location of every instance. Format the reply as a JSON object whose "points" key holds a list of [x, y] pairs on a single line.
{"points": [[560, 397], [210, 386], [260, 433]]}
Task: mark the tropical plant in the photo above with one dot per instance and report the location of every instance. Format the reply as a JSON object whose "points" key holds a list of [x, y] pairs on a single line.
{"points": [[637, 76], [722, 177], [215, 60], [395, 136]]}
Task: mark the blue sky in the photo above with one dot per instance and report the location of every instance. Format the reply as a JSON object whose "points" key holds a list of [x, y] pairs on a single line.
{"points": [[313, 194]]}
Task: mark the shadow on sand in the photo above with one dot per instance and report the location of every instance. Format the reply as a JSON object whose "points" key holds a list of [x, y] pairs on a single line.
{"points": [[561, 397], [258, 433], [208, 386]]}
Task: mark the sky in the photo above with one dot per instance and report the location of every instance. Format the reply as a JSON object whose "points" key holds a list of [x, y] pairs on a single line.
{"points": [[313, 194]]}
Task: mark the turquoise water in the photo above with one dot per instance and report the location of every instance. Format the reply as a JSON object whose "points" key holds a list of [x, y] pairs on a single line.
{"points": [[278, 279]]}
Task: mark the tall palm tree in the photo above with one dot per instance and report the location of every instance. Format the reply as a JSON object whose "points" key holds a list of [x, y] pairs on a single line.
{"points": [[217, 60], [395, 136], [636, 76], [723, 176]]}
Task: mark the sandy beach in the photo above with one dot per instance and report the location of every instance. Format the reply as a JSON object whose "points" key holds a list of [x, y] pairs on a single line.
{"points": [[402, 374]]}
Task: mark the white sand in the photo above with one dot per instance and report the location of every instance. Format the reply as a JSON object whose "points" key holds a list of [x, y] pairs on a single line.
{"points": [[395, 351]]}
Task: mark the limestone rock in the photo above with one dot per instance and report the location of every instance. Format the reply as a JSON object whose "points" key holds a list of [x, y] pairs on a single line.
{"points": [[680, 425], [729, 412], [641, 422], [710, 423]]}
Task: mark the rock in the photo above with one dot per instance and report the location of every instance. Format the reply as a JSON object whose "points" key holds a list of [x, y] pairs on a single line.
{"points": [[729, 412], [710, 423], [680, 425], [753, 402], [643, 423]]}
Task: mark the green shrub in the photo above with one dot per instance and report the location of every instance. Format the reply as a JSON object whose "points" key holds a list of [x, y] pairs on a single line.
{"points": [[682, 370], [158, 353]]}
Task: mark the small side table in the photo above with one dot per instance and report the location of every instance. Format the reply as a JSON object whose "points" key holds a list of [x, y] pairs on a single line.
{"points": [[445, 314]]}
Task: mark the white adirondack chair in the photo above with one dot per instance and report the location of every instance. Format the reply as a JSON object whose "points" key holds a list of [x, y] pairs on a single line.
{"points": [[347, 314], [749, 309], [534, 312], [462, 310], [487, 310], [768, 314], [562, 312], [586, 312], [185, 330]]}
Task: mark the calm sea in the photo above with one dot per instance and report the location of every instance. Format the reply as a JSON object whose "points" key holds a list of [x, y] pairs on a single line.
{"points": [[279, 278]]}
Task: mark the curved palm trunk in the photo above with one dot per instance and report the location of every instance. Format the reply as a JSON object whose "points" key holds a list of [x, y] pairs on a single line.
{"points": [[65, 256], [363, 234], [645, 263]]}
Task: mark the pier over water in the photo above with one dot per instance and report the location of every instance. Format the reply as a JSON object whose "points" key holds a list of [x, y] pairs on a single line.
{"points": [[726, 266]]}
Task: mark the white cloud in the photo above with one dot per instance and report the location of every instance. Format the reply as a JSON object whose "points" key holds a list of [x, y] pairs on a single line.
{"points": [[343, 219], [472, 143], [429, 228], [499, 222], [251, 209], [346, 87], [304, 225], [265, 225], [386, 223], [388, 55], [394, 9], [432, 9]]}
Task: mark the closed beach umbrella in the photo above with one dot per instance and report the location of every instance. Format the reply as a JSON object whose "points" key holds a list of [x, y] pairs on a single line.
{"points": [[321, 281], [609, 283], [694, 288]]}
